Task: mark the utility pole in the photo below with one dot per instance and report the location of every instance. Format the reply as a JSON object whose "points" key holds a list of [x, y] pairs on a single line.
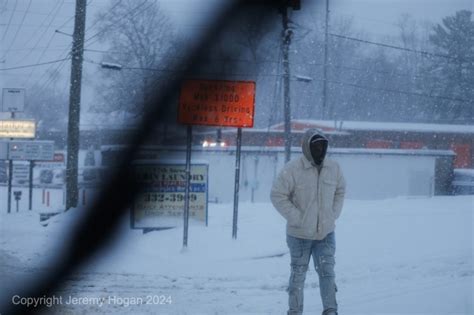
{"points": [[286, 36], [77, 52], [325, 67]]}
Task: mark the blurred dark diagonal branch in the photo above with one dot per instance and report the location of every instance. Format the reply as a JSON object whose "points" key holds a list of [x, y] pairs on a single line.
{"points": [[96, 228]]}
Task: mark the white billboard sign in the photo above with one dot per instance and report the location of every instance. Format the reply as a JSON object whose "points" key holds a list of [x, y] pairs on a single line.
{"points": [[13, 100], [161, 203], [11, 128], [31, 150]]}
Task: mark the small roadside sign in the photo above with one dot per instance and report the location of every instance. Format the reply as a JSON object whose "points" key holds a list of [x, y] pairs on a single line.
{"points": [[12, 128], [17, 195], [58, 157], [217, 103], [13, 100], [162, 202], [31, 150]]}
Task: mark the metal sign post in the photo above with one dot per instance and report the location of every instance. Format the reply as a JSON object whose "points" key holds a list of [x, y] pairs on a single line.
{"points": [[13, 100], [10, 177], [26, 151], [17, 199], [218, 103], [237, 182], [189, 135], [30, 195]]}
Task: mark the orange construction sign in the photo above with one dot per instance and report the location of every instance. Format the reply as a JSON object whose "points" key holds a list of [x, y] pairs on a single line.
{"points": [[217, 103]]}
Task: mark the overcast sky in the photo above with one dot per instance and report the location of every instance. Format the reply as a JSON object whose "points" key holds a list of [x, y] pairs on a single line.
{"points": [[27, 28], [379, 15]]}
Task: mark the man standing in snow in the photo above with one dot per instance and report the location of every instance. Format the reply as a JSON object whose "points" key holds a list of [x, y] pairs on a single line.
{"points": [[309, 193]]}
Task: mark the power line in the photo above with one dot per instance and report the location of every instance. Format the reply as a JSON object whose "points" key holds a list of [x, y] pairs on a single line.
{"points": [[56, 8], [64, 24], [34, 65], [204, 60], [319, 80], [4, 7], [398, 91], [71, 18], [9, 21], [40, 57], [97, 20], [51, 78], [359, 17], [118, 20], [32, 13], [298, 63], [96, 35], [65, 52], [18, 29], [393, 47], [27, 25], [29, 48], [49, 42], [389, 73], [180, 71]]}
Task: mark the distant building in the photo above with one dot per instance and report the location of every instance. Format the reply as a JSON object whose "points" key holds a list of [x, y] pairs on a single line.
{"points": [[342, 134], [360, 134]]}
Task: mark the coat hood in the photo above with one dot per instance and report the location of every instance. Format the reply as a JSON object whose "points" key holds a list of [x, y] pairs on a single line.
{"points": [[307, 137]]}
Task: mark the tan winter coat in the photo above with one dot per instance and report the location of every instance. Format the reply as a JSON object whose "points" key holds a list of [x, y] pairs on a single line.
{"points": [[310, 200]]}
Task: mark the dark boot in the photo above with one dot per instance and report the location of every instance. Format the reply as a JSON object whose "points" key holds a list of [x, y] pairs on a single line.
{"points": [[329, 311]]}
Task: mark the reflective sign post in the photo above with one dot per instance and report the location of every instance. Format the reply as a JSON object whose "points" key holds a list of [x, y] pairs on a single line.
{"points": [[30, 196], [237, 182], [218, 103], [10, 177], [17, 199], [189, 135], [21, 150]]}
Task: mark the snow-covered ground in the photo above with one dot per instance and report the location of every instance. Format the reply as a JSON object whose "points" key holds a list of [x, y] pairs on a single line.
{"points": [[394, 256]]}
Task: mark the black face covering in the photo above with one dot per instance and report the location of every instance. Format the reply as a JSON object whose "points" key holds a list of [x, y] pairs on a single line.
{"points": [[318, 146]]}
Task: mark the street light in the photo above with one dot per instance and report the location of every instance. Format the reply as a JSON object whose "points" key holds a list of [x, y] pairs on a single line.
{"points": [[60, 32], [111, 65], [303, 78]]}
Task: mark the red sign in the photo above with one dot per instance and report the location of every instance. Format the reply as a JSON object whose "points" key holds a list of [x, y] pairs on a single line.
{"points": [[58, 157], [217, 103], [463, 155]]}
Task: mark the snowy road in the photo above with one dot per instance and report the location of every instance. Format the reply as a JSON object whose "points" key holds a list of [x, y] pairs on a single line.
{"points": [[379, 294], [397, 256]]}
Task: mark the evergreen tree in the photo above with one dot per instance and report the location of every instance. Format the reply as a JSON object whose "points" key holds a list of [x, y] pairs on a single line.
{"points": [[454, 74]]}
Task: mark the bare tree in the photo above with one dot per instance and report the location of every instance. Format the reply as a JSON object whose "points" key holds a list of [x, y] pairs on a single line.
{"points": [[139, 35], [48, 105]]}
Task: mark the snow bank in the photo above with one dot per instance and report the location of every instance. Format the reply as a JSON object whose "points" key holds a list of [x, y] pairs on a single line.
{"points": [[394, 256]]}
